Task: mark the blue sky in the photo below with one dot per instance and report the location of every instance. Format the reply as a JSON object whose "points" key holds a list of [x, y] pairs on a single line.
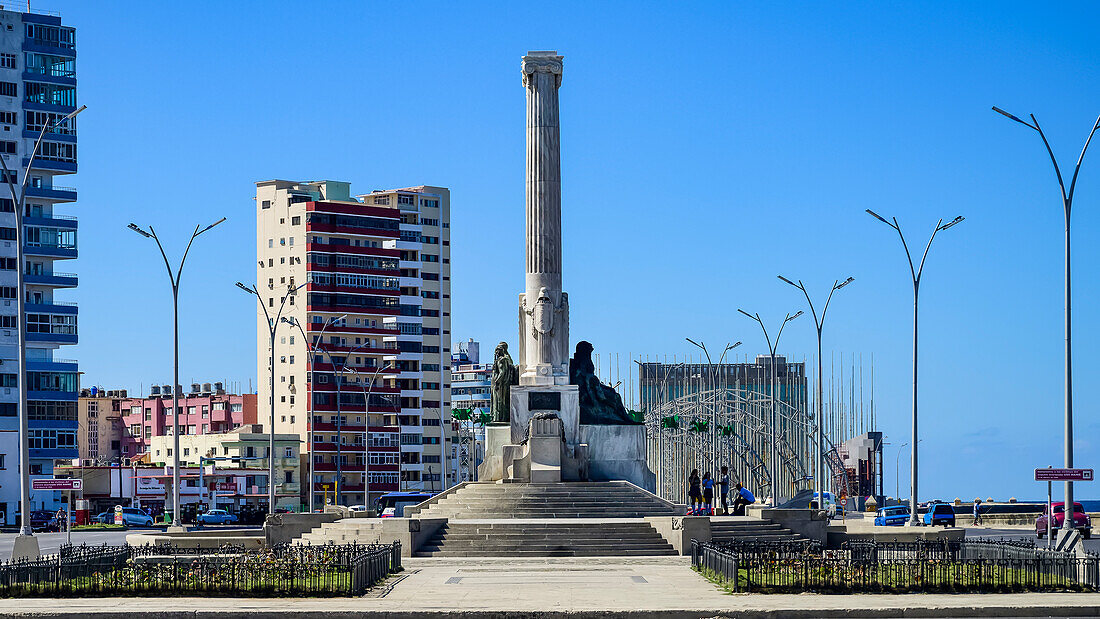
{"points": [[706, 148]]}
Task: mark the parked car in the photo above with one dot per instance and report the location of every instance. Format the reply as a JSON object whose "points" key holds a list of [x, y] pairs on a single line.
{"points": [[940, 513], [358, 508], [104, 518], [1081, 521], [43, 520], [132, 516], [217, 516], [892, 516]]}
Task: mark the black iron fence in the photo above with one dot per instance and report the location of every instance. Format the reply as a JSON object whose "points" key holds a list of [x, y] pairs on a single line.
{"points": [[896, 567], [329, 570]]}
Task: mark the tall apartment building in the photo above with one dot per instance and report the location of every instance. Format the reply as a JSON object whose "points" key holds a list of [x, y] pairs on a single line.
{"points": [[37, 88], [373, 280]]}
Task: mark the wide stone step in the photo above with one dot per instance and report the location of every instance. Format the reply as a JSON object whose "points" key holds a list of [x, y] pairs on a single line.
{"points": [[599, 552]]}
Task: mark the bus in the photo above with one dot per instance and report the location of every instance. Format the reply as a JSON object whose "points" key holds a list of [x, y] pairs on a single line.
{"points": [[393, 504]]}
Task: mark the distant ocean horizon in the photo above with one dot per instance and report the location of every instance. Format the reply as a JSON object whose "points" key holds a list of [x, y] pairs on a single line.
{"points": [[1089, 505]]}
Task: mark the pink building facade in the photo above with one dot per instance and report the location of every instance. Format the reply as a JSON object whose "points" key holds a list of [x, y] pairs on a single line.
{"points": [[199, 413]]}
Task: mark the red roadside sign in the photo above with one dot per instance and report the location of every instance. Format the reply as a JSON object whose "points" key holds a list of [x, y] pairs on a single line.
{"points": [[1063, 474], [57, 484]]}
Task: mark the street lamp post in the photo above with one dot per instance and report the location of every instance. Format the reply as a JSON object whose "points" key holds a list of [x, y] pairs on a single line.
{"points": [[309, 389], [916, 273], [819, 322], [272, 327], [1067, 205], [174, 279], [897, 472], [367, 389], [336, 374], [26, 544], [713, 372], [773, 450]]}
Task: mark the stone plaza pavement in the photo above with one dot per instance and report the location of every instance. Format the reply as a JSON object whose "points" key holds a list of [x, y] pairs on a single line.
{"points": [[561, 587]]}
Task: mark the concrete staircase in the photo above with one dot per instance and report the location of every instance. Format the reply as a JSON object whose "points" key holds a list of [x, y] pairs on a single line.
{"points": [[608, 499], [533, 538], [345, 531], [743, 528]]}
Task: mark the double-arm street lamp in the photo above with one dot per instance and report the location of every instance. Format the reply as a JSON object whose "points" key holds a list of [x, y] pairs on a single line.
{"points": [[174, 279], [773, 455], [1067, 205], [272, 327], [337, 376], [819, 322], [916, 273], [309, 387], [367, 389], [713, 376], [27, 545]]}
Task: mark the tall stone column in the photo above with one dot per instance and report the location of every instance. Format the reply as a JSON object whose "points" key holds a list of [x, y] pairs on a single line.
{"points": [[544, 308]]}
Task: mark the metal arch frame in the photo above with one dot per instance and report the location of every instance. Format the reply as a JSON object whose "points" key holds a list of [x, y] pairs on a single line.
{"points": [[741, 448]]}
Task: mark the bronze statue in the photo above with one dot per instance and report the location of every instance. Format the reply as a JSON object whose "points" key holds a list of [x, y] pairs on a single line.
{"points": [[600, 404], [505, 374]]}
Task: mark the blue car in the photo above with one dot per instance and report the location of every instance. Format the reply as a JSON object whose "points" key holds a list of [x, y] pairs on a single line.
{"points": [[216, 516], [893, 516], [939, 513]]}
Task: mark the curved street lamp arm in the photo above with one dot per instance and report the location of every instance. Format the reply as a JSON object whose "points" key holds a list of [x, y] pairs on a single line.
{"points": [[926, 248], [1054, 160], [179, 271], [1076, 170], [167, 265], [905, 246], [17, 200]]}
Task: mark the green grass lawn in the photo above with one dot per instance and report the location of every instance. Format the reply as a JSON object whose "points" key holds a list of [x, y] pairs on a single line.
{"points": [[933, 576]]}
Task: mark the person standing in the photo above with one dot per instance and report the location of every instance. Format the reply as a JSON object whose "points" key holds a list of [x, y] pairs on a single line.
{"points": [[708, 494], [695, 496], [977, 512], [724, 489]]}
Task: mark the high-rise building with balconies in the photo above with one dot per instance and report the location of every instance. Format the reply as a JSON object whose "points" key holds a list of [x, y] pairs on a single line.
{"points": [[372, 276], [38, 88]]}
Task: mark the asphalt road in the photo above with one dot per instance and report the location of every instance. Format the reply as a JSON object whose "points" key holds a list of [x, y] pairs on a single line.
{"points": [[48, 543], [1092, 545]]}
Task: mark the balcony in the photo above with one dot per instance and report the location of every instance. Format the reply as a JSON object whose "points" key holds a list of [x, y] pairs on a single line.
{"points": [[52, 307], [47, 164], [55, 279], [61, 222], [52, 251], [56, 193], [55, 338]]}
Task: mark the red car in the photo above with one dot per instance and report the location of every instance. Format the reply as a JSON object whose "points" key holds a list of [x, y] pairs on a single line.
{"points": [[1081, 522]]}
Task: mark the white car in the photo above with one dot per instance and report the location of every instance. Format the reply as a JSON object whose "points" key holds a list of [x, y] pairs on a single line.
{"points": [[358, 508]]}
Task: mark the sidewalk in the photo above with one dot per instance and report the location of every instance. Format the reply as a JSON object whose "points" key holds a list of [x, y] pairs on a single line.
{"points": [[565, 587]]}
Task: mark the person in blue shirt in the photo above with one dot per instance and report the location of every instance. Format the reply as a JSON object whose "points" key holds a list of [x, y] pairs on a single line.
{"points": [[744, 497], [708, 493], [724, 488]]}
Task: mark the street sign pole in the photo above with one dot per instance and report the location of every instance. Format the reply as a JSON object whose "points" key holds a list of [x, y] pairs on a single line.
{"points": [[69, 518], [1050, 515]]}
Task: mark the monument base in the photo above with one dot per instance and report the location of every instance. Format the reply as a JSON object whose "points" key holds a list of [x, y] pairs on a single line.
{"points": [[25, 548], [615, 453]]}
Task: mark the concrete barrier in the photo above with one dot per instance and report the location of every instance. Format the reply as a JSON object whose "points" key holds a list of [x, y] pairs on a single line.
{"points": [[809, 523], [201, 538], [679, 530]]}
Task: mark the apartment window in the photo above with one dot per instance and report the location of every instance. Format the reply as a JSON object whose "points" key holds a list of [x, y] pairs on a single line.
{"points": [[7, 61], [294, 221], [52, 94], [8, 89], [289, 453]]}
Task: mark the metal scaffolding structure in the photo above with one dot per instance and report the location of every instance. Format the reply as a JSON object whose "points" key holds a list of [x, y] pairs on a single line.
{"points": [[703, 416]]}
